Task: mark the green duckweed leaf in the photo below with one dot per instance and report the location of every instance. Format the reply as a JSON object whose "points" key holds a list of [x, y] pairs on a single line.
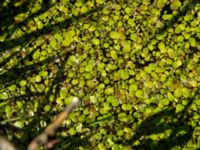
{"points": [[133, 36], [84, 9], [43, 73], [131, 22], [148, 84], [126, 107], [72, 131], [124, 74], [38, 78], [113, 101], [121, 116], [178, 92], [175, 5], [101, 146], [8, 111], [116, 76], [126, 46], [40, 88], [68, 38], [63, 92], [2, 104], [19, 124], [36, 55], [167, 16], [180, 38], [22, 83], [113, 55], [96, 41], [89, 67], [162, 48], [114, 35], [192, 42], [47, 108], [132, 89], [19, 104], [67, 41], [58, 37], [12, 88], [193, 83], [185, 92], [53, 43], [3, 95], [179, 108], [177, 64], [139, 94]]}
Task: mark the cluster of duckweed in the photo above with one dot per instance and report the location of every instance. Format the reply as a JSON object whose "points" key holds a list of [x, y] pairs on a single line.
{"points": [[127, 60]]}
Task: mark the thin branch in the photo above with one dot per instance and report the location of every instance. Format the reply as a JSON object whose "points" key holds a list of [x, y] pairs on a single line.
{"points": [[50, 131], [5, 144]]}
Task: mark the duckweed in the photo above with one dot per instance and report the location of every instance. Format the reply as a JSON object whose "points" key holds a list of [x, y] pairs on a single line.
{"points": [[134, 64], [114, 35]]}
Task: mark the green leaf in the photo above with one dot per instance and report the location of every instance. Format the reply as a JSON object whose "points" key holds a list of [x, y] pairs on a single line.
{"points": [[132, 89], [89, 67], [84, 9], [63, 92], [68, 38], [178, 92], [47, 108], [8, 111], [12, 88], [177, 64], [40, 88], [38, 78], [72, 131], [101, 146], [19, 124], [131, 22], [22, 83], [114, 35], [113, 101], [185, 92], [139, 94], [126, 107], [3, 95], [179, 108], [58, 37], [96, 41], [53, 43], [148, 84], [43, 73], [126, 46], [36, 55], [162, 48], [113, 55], [124, 74], [192, 42]]}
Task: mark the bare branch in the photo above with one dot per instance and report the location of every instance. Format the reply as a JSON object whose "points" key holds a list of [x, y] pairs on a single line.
{"points": [[5, 144], [42, 139]]}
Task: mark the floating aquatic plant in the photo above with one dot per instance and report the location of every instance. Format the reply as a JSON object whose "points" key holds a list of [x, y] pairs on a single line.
{"points": [[127, 60]]}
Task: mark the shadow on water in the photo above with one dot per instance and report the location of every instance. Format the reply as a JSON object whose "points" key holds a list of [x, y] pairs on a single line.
{"points": [[17, 7], [170, 23], [179, 132]]}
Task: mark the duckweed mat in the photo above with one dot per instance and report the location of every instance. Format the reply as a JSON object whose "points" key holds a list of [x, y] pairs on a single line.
{"points": [[133, 63]]}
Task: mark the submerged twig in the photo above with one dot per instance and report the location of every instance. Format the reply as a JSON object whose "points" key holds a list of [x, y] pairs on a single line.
{"points": [[42, 139]]}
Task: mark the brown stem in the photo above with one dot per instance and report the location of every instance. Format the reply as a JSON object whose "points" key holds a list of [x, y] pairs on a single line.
{"points": [[42, 139], [5, 144]]}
